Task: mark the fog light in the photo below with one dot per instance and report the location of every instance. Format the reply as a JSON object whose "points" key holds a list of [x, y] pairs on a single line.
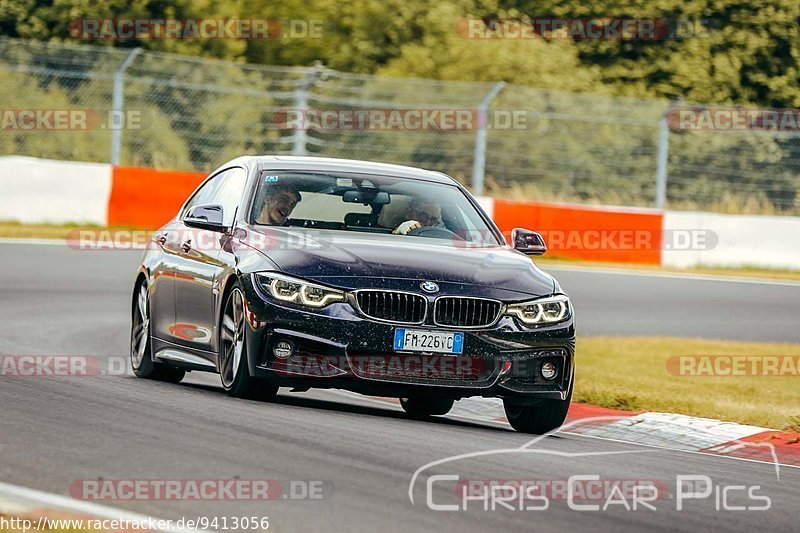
{"points": [[549, 371], [282, 349]]}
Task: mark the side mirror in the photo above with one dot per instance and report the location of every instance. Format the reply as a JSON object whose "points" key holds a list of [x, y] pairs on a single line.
{"points": [[205, 217], [528, 242]]}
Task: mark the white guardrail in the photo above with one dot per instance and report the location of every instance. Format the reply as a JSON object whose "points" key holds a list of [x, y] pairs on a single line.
{"points": [[742, 240], [41, 191]]}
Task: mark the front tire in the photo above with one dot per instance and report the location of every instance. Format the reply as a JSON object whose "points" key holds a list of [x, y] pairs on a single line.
{"points": [[232, 358], [538, 419], [425, 407], [141, 345]]}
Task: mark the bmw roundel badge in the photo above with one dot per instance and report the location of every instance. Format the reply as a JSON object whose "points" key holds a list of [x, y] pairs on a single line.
{"points": [[429, 287]]}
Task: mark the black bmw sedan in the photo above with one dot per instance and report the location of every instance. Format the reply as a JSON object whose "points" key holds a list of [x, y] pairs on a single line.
{"points": [[381, 279]]}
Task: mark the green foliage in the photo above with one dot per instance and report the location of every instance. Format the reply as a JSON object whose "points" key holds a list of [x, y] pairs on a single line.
{"points": [[738, 51], [443, 53], [19, 91], [587, 148]]}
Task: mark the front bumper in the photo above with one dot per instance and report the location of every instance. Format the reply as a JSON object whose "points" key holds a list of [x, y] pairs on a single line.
{"points": [[336, 347]]}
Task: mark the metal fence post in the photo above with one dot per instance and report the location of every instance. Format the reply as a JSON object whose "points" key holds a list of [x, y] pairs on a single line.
{"points": [[479, 157], [117, 102], [661, 163], [301, 107], [662, 157]]}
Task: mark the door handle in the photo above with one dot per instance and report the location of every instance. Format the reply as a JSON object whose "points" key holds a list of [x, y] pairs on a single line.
{"points": [[187, 245]]}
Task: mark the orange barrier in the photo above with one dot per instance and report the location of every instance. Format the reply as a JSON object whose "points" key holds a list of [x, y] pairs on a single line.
{"points": [[589, 233], [146, 198]]}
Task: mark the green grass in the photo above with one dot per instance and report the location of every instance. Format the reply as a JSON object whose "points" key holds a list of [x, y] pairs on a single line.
{"points": [[631, 373], [793, 424]]}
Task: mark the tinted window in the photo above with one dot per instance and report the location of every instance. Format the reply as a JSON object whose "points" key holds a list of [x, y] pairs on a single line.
{"points": [[225, 189], [230, 194], [368, 203], [206, 193]]}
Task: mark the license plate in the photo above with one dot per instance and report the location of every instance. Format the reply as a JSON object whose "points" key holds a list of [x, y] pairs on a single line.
{"points": [[421, 340]]}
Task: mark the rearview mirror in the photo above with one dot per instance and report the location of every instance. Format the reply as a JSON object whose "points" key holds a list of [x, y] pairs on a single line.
{"points": [[528, 242], [366, 197], [205, 217]]}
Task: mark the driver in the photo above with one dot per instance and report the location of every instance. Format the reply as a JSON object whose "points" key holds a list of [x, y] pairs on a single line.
{"points": [[420, 213], [279, 202]]}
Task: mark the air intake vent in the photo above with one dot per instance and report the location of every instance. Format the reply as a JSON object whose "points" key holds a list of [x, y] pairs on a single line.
{"points": [[400, 307], [466, 312]]}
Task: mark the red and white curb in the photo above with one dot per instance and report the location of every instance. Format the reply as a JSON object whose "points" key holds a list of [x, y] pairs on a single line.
{"points": [[660, 430]]}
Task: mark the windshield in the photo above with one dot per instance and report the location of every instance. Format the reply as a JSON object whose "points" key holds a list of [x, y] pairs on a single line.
{"points": [[369, 204]]}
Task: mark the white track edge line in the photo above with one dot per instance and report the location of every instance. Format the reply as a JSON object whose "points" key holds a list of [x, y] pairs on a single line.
{"points": [[48, 242], [78, 506]]}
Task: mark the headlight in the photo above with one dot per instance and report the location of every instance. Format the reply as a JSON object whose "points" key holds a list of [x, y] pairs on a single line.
{"points": [[288, 289], [542, 311]]}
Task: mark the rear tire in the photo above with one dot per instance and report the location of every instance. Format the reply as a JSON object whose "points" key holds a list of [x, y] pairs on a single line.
{"points": [[232, 358], [424, 407], [141, 344], [537, 419]]}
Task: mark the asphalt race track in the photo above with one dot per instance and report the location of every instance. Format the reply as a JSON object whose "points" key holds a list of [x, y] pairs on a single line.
{"points": [[618, 303], [54, 431]]}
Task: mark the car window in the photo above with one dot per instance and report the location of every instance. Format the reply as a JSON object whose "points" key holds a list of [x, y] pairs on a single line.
{"points": [[206, 193], [319, 206], [370, 204], [225, 189], [229, 195]]}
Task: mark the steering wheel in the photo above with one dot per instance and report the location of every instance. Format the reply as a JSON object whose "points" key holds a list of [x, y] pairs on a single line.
{"points": [[433, 232]]}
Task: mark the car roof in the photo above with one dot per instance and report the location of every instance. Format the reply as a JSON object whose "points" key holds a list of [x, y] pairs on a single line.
{"points": [[287, 162]]}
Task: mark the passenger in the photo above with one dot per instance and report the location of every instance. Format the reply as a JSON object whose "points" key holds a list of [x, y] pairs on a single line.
{"points": [[418, 214]]}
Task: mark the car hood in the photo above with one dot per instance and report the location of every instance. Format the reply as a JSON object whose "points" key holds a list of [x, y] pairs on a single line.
{"points": [[359, 260]]}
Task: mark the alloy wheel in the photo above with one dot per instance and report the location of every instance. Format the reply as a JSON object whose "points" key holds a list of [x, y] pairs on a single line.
{"points": [[232, 337], [141, 328]]}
